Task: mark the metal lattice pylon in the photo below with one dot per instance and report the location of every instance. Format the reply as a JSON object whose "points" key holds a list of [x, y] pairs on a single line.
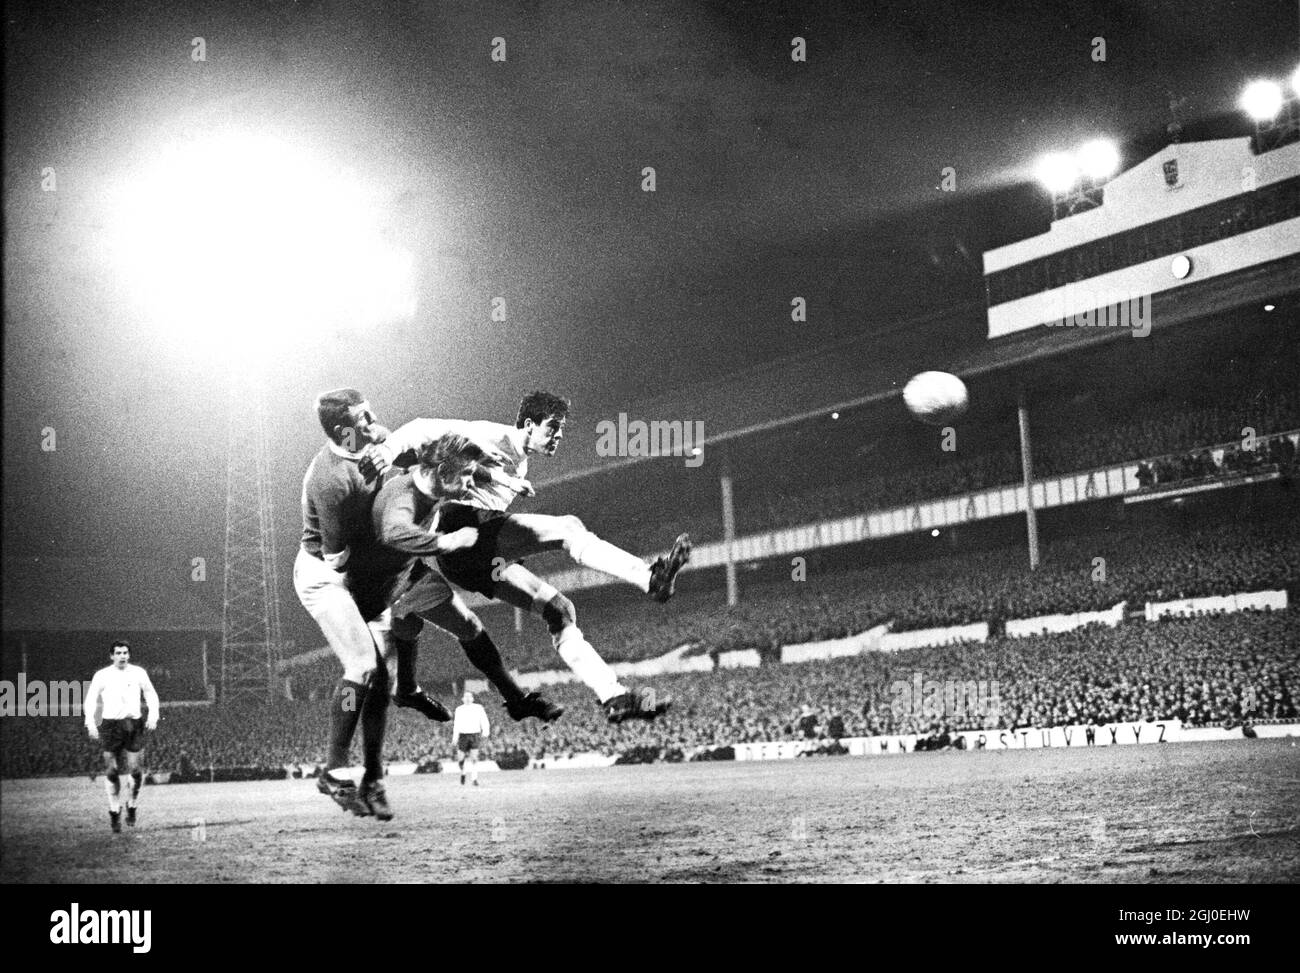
{"points": [[250, 611]]}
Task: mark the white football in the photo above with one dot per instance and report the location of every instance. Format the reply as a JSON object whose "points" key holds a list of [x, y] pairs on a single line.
{"points": [[936, 398]]}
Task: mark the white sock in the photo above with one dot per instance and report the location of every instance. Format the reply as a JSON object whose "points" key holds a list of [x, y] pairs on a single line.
{"points": [[473, 772], [579, 656], [114, 790], [592, 552]]}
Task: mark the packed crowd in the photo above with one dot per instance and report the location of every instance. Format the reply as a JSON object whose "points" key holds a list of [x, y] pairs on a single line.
{"points": [[1203, 670], [1135, 566], [1278, 453], [1206, 670]]}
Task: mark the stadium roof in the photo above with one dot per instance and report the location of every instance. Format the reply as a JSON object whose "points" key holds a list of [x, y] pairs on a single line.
{"points": [[869, 368], [50, 594]]}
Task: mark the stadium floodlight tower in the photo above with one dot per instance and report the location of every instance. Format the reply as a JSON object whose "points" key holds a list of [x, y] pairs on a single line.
{"points": [[258, 247], [251, 635], [1076, 180], [1274, 110]]}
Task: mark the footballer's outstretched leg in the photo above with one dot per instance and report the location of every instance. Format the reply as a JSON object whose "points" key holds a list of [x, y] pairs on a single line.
{"points": [[520, 535], [663, 573], [520, 587], [454, 616]]}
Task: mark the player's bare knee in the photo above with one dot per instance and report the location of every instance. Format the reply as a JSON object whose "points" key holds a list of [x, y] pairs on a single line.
{"points": [[559, 614], [574, 532], [359, 671]]}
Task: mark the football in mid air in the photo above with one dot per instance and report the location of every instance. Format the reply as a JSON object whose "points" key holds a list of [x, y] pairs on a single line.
{"points": [[936, 398]]}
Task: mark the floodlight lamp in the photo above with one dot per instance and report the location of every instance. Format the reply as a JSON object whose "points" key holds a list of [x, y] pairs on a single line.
{"points": [[1262, 100], [1058, 172], [1099, 159]]}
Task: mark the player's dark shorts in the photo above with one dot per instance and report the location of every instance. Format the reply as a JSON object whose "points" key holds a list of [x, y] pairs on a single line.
{"points": [[471, 568], [468, 742], [126, 734]]}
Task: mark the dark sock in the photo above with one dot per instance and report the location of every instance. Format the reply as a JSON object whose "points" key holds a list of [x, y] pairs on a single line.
{"points": [[486, 658], [374, 721], [407, 652], [137, 778], [345, 710]]}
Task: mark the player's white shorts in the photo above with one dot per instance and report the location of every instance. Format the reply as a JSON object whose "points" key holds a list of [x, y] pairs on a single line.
{"points": [[324, 593]]}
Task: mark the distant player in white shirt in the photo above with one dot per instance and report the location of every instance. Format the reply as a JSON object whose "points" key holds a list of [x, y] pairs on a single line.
{"points": [[120, 731], [469, 728]]}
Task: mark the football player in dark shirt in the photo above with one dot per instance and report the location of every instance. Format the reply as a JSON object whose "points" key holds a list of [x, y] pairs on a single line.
{"points": [[339, 576]]}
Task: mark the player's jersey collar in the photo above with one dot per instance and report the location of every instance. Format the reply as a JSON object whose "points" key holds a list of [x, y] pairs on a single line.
{"points": [[338, 450]]}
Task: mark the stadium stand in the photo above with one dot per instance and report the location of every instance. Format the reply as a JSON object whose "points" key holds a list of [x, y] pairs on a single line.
{"points": [[1207, 557], [861, 463], [1203, 670]]}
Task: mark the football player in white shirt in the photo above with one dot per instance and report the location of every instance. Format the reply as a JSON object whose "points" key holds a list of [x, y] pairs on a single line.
{"points": [[469, 728], [477, 469], [120, 732]]}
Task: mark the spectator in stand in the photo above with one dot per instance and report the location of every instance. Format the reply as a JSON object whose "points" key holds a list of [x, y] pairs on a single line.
{"points": [[808, 722], [835, 726]]}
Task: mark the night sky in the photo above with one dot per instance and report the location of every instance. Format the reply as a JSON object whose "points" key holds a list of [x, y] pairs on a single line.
{"points": [[523, 179]]}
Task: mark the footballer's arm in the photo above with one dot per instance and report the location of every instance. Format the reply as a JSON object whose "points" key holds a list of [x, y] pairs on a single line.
{"points": [[333, 549], [411, 436], [398, 528], [492, 437], [91, 704], [150, 700]]}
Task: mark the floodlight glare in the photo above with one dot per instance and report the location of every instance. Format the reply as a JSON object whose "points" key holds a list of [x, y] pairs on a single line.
{"points": [[244, 239], [1099, 159], [1295, 82], [1057, 171], [1262, 100]]}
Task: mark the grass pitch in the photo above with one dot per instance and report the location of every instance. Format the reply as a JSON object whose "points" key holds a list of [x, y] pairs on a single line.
{"points": [[1221, 812]]}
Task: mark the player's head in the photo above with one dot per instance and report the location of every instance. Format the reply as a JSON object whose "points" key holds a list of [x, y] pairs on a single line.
{"points": [[543, 416], [450, 462], [120, 653], [347, 419], [467, 697]]}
